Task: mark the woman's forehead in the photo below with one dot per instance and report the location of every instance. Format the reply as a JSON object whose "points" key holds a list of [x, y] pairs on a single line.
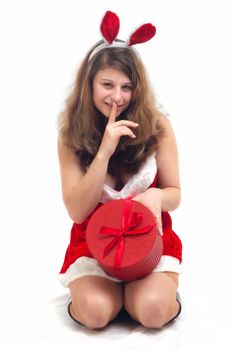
{"points": [[110, 73]]}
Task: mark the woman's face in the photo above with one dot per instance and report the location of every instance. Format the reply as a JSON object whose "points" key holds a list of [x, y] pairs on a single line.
{"points": [[110, 85]]}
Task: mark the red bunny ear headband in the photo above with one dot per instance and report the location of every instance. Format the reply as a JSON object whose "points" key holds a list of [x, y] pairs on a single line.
{"points": [[109, 29]]}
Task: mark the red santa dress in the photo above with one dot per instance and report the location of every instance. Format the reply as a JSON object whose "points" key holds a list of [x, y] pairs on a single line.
{"points": [[78, 260]]}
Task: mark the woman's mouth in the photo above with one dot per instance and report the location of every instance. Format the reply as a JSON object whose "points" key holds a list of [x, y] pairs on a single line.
{"points": [[110, 105]]}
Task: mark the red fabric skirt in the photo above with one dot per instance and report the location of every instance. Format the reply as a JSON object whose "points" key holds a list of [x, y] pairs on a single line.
{"points": [[172, 244]]}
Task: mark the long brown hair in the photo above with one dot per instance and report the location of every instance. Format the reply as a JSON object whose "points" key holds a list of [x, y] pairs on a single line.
{"points": [[82, 125]]}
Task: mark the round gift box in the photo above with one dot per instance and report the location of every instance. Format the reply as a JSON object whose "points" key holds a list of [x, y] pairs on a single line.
{"points": [[137, 247]]}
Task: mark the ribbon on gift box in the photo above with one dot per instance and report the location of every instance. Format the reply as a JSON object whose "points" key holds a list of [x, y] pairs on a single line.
{"points": [[129, 223]]}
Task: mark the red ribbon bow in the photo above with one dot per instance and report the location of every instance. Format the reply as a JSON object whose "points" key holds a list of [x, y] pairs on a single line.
{"points": [[128, 227]]}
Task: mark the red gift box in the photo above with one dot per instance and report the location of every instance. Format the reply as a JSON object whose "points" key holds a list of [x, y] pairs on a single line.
{"points": [[123, 236]]}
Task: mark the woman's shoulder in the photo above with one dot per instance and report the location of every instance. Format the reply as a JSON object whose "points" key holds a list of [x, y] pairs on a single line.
{"points": [[167, 126], [167, 144], [62, 146], [66, 153]]}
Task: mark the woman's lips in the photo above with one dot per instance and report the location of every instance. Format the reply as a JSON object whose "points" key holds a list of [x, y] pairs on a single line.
{"points": [[110, 105]]}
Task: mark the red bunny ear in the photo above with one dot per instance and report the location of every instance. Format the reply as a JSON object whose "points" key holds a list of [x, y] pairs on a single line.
{"points": [[110, 26], [142, 34]]}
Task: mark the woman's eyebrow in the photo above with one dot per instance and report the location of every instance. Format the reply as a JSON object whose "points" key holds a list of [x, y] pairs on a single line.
{"points": [[112, 81]]}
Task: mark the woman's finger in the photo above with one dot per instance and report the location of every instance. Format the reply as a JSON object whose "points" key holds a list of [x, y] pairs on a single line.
{"points": [[113, 112], [159, 223], [127, 123], [124, 131]]}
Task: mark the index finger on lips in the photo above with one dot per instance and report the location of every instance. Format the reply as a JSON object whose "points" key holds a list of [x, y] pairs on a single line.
{"points": [[113, 112]]}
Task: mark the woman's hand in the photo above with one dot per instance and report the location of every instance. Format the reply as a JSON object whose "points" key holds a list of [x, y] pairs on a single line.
{"points": [[113, 131], [152, 199]]}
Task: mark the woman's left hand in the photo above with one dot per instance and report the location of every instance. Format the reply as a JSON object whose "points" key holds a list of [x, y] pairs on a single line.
{"points": [[152, 199]]}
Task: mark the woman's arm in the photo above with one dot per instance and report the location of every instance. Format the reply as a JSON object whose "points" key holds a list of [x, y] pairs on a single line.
{"points": [[81, 191], [166, 197], [168, 169]]}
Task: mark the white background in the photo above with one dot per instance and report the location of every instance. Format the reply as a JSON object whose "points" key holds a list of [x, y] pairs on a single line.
{"points": [[190, 66]]}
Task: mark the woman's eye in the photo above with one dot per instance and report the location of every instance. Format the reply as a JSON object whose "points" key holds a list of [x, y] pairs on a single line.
{"points": [[127, 88], [107, 85]]}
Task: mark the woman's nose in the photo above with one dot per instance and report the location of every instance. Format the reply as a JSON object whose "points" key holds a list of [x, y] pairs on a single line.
{"points": [[116, 95]]}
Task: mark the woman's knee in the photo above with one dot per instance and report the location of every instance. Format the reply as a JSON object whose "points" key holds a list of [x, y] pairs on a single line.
{"points": [[94, 312], [152, 301], [152, 311], [95, 300]]}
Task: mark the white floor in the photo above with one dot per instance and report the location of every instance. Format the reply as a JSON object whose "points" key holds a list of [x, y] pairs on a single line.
{"points": [[33, 304], [205, 322], [191, 67]]}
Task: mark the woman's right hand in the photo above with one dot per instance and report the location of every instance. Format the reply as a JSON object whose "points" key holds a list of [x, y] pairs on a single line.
{"points": [[113, 132]]}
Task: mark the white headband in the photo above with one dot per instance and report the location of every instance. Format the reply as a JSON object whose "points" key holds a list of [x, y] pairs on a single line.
{"points": [[106, 45], [109, 29]]}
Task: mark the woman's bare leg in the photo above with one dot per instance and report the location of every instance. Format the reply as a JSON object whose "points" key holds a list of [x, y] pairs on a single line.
{"points": [[152, 300], [95, 300]]}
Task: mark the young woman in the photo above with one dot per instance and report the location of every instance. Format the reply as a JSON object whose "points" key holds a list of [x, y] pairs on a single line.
{"points": [[114, 143]]}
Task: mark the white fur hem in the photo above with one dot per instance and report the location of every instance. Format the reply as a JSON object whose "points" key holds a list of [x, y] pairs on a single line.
{"points": [[168, 263], [85, 266]]}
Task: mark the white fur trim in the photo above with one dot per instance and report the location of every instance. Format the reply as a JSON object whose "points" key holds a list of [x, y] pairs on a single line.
{"points": [[85, 266], [137, 184], [168, 263]]}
